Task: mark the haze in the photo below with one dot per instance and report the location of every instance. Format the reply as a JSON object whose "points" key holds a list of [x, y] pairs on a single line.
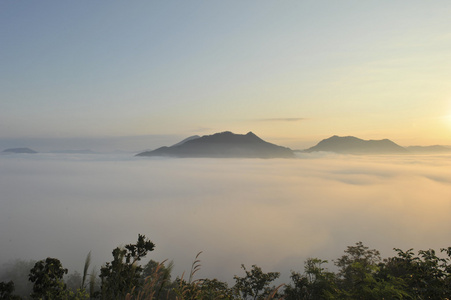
{"points": [[131, 76], [274, 213], [293, 72]]}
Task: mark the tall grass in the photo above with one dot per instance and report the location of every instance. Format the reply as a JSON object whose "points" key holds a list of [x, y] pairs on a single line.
{"points": [[184, 289], [153, 284], [85, 269]]}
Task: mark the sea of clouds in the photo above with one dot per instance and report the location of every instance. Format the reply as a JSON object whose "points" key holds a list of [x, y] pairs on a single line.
{"points": [[274, 213]]}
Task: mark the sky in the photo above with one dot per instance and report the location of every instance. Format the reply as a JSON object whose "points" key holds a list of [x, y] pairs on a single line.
{"points": [[292, 72], [274, 213]]}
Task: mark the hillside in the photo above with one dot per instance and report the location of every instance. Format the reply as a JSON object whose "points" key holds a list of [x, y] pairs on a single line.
{"points": [[193, 137], [224, 144], [353, 145]]}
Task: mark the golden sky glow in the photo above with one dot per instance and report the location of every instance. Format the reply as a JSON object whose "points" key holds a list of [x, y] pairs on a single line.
{"points": [[373, 69]]}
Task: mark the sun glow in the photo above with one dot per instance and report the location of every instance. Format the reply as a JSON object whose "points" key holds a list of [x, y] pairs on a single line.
{"points": [[446, 119]]}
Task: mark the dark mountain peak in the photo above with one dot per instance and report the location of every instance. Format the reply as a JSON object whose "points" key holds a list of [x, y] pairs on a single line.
{"points": [[354, 145], [253, 136], [223, 133], [227, 137], [20, 150], [341, 139], [193, 137], [336, 140], [348, 137], [223, 144]]}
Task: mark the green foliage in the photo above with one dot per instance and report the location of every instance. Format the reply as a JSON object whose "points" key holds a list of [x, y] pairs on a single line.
{"points": [[426, 276], [361, 275], [47, 277], [315, 283], [123, 274], [201, 288], [157, 280], [215, 289], [357, 262], [7, 291], [189, 289], [255, 285], [79, 294]]}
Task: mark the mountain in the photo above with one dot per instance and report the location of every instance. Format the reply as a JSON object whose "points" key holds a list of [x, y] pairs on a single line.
{"points": [[353, 145], [193, 137], [19, 150], [224, 144], [428, 149]]}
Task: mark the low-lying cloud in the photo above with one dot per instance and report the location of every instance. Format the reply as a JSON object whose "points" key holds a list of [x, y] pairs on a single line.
{"points": [[274, 213]]}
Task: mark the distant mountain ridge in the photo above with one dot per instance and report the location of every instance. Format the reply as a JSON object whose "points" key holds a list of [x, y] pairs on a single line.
{"points": [[428, 149], [353, 145], [19, 150], [223, 145]]}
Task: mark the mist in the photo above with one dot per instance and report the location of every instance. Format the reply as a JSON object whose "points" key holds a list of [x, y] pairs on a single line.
{"points": [[95, 143], [274, 213]]}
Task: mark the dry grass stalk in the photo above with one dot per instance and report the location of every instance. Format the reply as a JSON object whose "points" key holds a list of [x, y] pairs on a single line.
{"points": [[153, 285]]}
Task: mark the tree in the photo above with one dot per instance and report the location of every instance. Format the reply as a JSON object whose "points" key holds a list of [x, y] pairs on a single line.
{"points": [[17, 271], [157, 277], [359, 276], [356, 263], [315, 283], [255, 285], [215, 289], [7, 290], [47, 277], [426, 276], [123, 274]]}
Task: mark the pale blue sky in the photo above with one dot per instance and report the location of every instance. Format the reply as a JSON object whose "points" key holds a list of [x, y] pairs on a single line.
{"points": [[290, 71]]}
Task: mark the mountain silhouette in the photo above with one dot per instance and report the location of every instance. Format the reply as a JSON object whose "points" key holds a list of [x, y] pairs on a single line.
{"points": [[19, 150], [428, 149], [221, 145], [193, 137], [353, 145]]}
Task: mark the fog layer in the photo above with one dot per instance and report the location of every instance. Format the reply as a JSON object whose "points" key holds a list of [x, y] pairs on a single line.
{"points": [[274, 213]]}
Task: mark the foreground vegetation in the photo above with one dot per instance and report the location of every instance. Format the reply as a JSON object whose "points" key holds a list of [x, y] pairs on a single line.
{"points": [[362, 274]]}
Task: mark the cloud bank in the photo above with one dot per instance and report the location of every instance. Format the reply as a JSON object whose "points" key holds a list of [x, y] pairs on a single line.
{"points": [[274, 213]]}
